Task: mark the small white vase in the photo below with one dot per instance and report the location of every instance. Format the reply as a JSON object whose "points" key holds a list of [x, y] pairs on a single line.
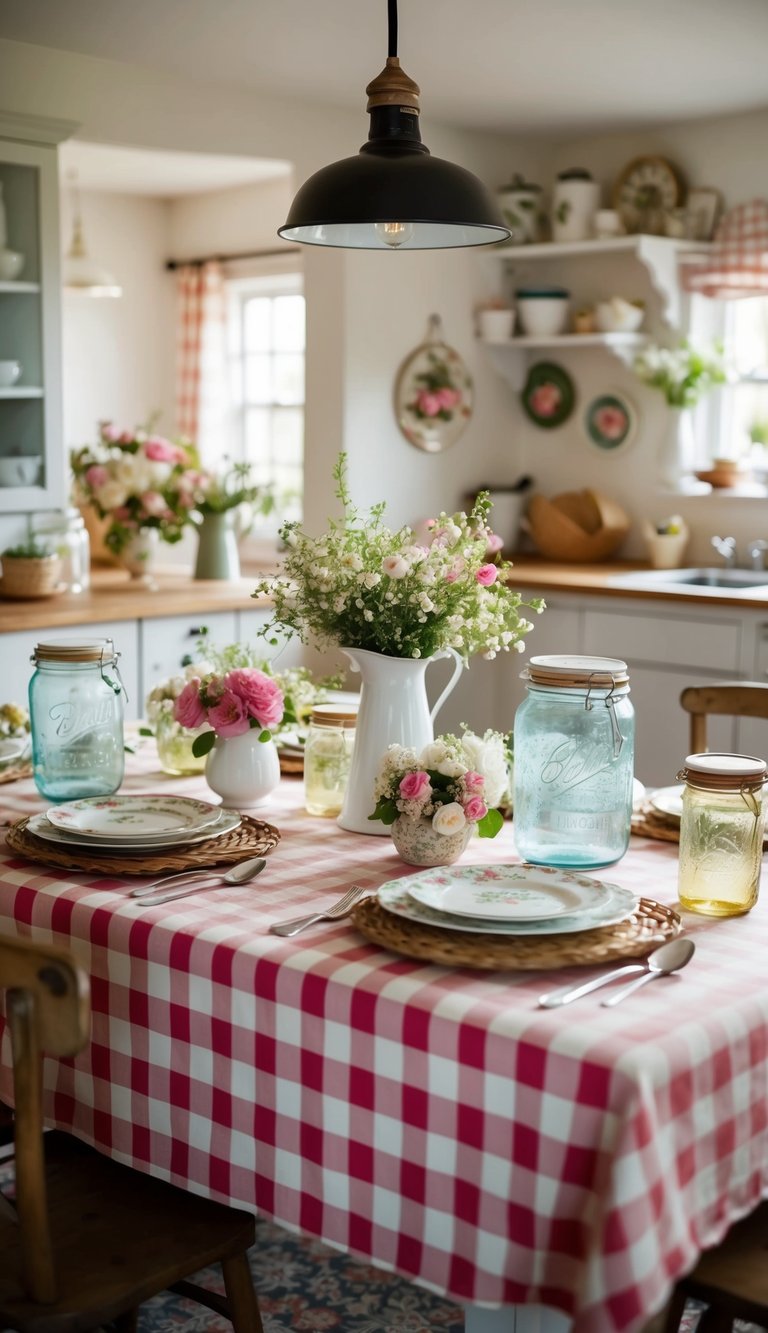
{"points": [[243, 770], [418, 843], [677, 449], [139, 557]]}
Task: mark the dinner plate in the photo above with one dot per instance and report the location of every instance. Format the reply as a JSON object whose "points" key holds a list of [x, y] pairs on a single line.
{"points": [[41, 827], [668, 800], [394, 896], [131, 817], [508, 893]]}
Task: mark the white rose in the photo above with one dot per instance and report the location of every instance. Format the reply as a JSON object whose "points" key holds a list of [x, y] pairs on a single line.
{"points": [[395, 567], [489, 758], [449, 819], [451, 768], [433, 755]]}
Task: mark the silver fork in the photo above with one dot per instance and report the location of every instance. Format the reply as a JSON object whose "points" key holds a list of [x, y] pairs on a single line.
{"points": [[342, 908]]}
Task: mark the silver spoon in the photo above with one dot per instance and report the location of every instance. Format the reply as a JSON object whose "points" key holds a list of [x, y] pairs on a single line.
{"points": [[669, 957], [240, 874], [555, 998]]}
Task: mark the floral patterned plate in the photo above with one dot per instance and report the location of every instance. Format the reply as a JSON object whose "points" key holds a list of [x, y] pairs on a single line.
{"points": [[127, 817], [433, 393], [548, 396], [395, 897], [509, 893], [668, 800], [41, 827]]}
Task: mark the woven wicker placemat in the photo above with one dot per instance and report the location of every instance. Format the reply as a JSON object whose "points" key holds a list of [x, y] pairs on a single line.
{"points": [[648, 823], [291, 765], [15, 771], [649, 925], [251, 838]]}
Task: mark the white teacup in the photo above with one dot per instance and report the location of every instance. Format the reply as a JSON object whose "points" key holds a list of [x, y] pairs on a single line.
{"points": [[11, 264], [9, 373]]}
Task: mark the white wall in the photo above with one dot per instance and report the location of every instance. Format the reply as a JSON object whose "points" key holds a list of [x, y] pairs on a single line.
{"points": [[229, 221]]}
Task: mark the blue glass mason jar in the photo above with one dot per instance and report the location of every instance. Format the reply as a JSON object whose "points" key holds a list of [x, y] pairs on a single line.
{"points": [[76, 702], [574, 756]]}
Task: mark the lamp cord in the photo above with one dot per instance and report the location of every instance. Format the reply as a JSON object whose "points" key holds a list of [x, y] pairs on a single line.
{"points": [[392, 27]]}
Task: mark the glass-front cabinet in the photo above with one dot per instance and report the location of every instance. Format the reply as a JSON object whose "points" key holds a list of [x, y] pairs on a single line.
{"points": [[32, 471]]}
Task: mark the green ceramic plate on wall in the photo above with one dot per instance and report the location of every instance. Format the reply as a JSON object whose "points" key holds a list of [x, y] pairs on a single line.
{"points": [[549, 395]]}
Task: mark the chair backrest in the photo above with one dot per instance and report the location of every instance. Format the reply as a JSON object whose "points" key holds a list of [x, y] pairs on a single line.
{"points": [[47, 1012], [735, 698]]}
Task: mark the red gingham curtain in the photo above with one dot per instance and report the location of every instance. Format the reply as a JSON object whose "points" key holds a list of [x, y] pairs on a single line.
{"points": [[201, 312], [737, 265]]}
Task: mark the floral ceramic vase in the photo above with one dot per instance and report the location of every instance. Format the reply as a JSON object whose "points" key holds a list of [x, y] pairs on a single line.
{"points": [[242, 770], [139, 557], [174, 747], [418, 842]]}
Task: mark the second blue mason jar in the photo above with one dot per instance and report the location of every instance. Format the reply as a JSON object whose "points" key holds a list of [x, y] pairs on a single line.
{"points": [[574, 758]]}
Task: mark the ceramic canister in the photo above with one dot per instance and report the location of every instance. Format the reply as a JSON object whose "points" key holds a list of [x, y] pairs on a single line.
{"points": [[575, 200]]}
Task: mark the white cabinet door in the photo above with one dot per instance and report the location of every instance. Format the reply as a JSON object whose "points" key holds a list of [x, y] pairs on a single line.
{"points": [[166, 644], [16, 667]]}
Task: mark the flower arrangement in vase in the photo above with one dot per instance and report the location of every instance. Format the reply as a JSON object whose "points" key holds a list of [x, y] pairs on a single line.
{"points": [[434, 801], [684, 375], [241, 709], [226, 504]]}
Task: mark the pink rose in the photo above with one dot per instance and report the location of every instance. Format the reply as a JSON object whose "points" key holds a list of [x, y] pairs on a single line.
{"points": [[121, 513], [475, 809], [415, 786], [611, 422], [125, 437], [474, 782], [160, 450], [154, 504], [428, 403], [260, 696], [188, 709], [110, 434], [448, 397], [545, 400], [486, 575], [228, 716], [494, 543], [96, 476], [451, 575]]}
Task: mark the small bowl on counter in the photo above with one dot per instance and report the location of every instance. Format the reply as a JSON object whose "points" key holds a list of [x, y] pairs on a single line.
{"points": [[543, 311]]}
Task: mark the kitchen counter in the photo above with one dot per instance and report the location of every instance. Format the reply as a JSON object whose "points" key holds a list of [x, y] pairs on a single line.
{"points": [[543, 576]]}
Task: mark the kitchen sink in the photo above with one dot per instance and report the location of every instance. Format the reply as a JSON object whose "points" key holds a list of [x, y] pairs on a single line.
{"points": [[722, 580]]}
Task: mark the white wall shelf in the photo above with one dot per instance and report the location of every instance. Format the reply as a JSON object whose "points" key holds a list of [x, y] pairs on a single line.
{"points": [[21, 391], [511, 356], [19, 288]]}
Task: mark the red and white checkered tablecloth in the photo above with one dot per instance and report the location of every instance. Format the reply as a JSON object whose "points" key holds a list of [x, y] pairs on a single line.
{"points": [[432, 1120]]}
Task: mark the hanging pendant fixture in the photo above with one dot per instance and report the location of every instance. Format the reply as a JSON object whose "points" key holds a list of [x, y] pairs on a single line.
{"points": [[394, 194], [81, 275]]}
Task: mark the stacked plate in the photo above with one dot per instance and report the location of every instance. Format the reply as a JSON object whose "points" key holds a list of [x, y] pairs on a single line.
{"points": [[507, 900], [667, 801], [133, 823]]}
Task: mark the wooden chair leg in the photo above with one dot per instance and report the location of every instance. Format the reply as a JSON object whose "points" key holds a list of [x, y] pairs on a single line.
{"points": [[243, 1305], [127, 1323]]}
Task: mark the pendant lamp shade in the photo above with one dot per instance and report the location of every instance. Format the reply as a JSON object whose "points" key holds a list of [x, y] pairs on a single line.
{"points": [[394, 194], [80, 274]]}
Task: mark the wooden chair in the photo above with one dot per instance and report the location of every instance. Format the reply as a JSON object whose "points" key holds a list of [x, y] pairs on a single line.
{"points": [[732, 1279], [734, 698], [87, 1240]]}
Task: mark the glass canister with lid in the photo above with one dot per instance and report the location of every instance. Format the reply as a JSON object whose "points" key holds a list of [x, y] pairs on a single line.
{"points": [[721, 833], [65, 532], [76, 704], [327, 758], [574, 757]]}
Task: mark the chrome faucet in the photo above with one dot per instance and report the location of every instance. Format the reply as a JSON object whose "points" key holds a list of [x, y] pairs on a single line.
{"points": [[726, 547], [756, 551]]}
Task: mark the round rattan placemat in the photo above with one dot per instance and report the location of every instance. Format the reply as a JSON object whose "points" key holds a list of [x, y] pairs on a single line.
{"points": [[251, 838], [646, 823], [291, 765], [649, 925], [13, 772]]}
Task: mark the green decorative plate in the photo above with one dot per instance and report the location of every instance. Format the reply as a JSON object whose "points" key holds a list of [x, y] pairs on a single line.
{"points": [[549, 395], [610, 421]]}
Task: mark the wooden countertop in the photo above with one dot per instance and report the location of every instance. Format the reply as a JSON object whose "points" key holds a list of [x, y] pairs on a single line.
{"points": [[543, 576]]}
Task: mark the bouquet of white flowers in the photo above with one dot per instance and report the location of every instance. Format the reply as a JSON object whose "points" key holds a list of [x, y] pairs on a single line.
{"points": [[682, 373]]}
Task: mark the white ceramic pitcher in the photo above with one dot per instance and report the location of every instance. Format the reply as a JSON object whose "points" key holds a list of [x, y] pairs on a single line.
{"points": [[393, 710]]}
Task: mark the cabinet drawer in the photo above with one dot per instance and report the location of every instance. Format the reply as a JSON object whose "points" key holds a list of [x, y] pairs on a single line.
{"points": [[704, 645], [166, 643]]}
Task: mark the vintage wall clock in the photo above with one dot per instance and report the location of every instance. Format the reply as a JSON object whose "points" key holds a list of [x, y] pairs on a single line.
{"points": [[645, 190]]}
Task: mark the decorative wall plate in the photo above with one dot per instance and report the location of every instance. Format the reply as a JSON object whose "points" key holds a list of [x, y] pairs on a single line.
{"points": [[610, 422], [548, 395], [433, 393]]}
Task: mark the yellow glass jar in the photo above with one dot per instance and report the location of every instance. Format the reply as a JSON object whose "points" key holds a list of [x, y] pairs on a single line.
{"points": [[327, 758], [721, 833]]}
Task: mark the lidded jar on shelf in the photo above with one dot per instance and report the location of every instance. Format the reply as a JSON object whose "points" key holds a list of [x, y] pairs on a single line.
{"points": [[76, 704], [327, 758], [721, 833], [574, 754]]}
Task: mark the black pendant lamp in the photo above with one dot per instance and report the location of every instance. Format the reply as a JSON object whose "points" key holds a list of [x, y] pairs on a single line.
{"points": [[394, 194]]}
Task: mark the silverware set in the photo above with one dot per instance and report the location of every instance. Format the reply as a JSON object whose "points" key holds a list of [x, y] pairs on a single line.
{"points": [[669, 957]]}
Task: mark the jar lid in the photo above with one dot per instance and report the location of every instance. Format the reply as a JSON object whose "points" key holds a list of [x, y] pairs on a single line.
{"points": [[581, 672], [329, 715], [74, 650], [717, 771]]}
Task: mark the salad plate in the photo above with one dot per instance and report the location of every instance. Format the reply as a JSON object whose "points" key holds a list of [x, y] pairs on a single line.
{"points": [[514, 893], [668, 801], [41, 827], [119, 818], [395, 898]]}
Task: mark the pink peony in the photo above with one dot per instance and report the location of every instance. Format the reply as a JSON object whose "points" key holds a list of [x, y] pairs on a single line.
{"points": [[475, 808], [415, 786], [188, 709], [154, 504], [486, 575], [428, 403], [261, 697], [228, 716], [96, 476], [474, 782], [162, 451]]}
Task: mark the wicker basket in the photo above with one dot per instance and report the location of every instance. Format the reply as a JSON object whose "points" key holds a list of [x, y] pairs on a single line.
{"points": [[25, 577], [578, 525]]}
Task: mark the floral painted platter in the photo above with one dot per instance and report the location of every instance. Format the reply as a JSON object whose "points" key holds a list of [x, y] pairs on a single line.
{"points": [[395, 897], [434, 393], [129, 817], [509, 893], [548, 395], [41, 827], [610, 422]]}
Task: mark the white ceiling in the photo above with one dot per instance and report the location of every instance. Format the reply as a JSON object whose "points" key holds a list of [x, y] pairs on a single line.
{"points": [[529, 66], [165, 175]]}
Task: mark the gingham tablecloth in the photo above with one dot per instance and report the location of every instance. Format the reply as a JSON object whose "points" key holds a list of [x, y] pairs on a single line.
{"points": [[431, 1120]]}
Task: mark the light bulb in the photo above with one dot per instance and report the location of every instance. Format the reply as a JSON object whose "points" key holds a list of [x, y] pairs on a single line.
{"points": [[394, 234]]}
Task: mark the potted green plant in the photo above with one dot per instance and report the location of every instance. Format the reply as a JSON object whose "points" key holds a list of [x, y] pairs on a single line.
{"points": [[29, 570]]}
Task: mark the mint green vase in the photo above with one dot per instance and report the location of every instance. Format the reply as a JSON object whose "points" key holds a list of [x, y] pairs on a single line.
{"points": [[217, 553]]}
